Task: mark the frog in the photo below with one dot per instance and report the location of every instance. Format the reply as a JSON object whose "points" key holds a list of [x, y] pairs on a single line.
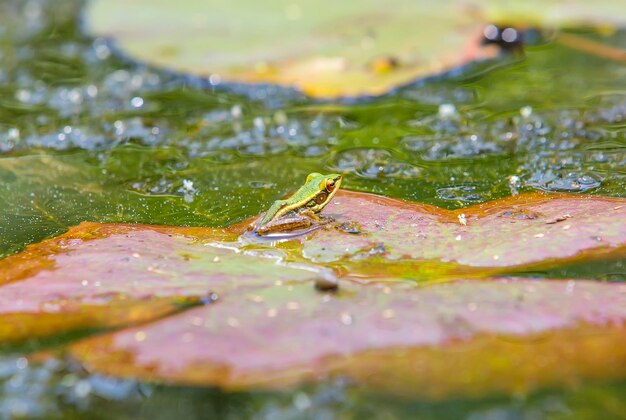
{"points": [[301, 210]]}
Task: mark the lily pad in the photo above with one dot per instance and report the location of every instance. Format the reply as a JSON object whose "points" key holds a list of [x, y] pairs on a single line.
{"points": [[391, 325], [325, 49], [98, 276], [321, 47], [464, 338], [522, 230]]}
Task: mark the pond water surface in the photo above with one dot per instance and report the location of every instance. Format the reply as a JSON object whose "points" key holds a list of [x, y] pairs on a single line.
{"points": [[87, 136]]}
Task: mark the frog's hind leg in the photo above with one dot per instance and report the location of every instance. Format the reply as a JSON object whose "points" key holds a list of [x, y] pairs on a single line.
{"points": [[285, 225]]}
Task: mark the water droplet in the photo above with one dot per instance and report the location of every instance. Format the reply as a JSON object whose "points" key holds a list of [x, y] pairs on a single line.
{"points": [[82, 388], [388, 313], [446, 111], [215, 79], [293, 306], [570, 182], [510, 35], [136, 102], [301, 401], [236, 111], [459, 193], [526, 111], [21, 363]]}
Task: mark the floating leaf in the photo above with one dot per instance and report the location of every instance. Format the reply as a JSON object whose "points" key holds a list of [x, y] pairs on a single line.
{"points": [[321, 47], [99, 276], [266, 322], [516, 231], [55, 316], [368, 230], [465, 338], [332, 49]]}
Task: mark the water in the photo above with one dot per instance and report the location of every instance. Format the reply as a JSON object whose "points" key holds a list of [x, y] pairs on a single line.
{"points": [[85, 135]]}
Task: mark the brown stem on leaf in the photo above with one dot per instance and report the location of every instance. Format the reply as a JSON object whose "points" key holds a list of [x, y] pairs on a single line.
{"points": [[592, 47]]}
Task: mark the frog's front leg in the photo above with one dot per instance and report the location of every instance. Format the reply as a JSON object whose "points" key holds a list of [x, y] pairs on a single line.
{"points": [[315, 216], [272, 211], [310, 214]]}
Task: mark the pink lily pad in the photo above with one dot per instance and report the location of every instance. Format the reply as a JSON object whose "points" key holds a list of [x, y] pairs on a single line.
{"points": [[127, 267], [265, 324], [114, 275], [462, 338], [526, 230]]}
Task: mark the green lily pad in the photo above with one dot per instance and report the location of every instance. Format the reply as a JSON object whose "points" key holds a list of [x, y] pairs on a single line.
{"points": [[321, 47], [324, 49]]}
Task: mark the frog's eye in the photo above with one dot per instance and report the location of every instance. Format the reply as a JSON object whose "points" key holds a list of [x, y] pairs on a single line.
{"points": [[320, 198], [330, 184]]}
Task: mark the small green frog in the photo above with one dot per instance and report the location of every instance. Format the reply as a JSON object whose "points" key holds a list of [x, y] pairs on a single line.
{"points": [[301, 209]]}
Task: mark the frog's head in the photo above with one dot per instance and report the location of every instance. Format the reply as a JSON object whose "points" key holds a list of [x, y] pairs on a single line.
{"points": [[325, 188]]}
